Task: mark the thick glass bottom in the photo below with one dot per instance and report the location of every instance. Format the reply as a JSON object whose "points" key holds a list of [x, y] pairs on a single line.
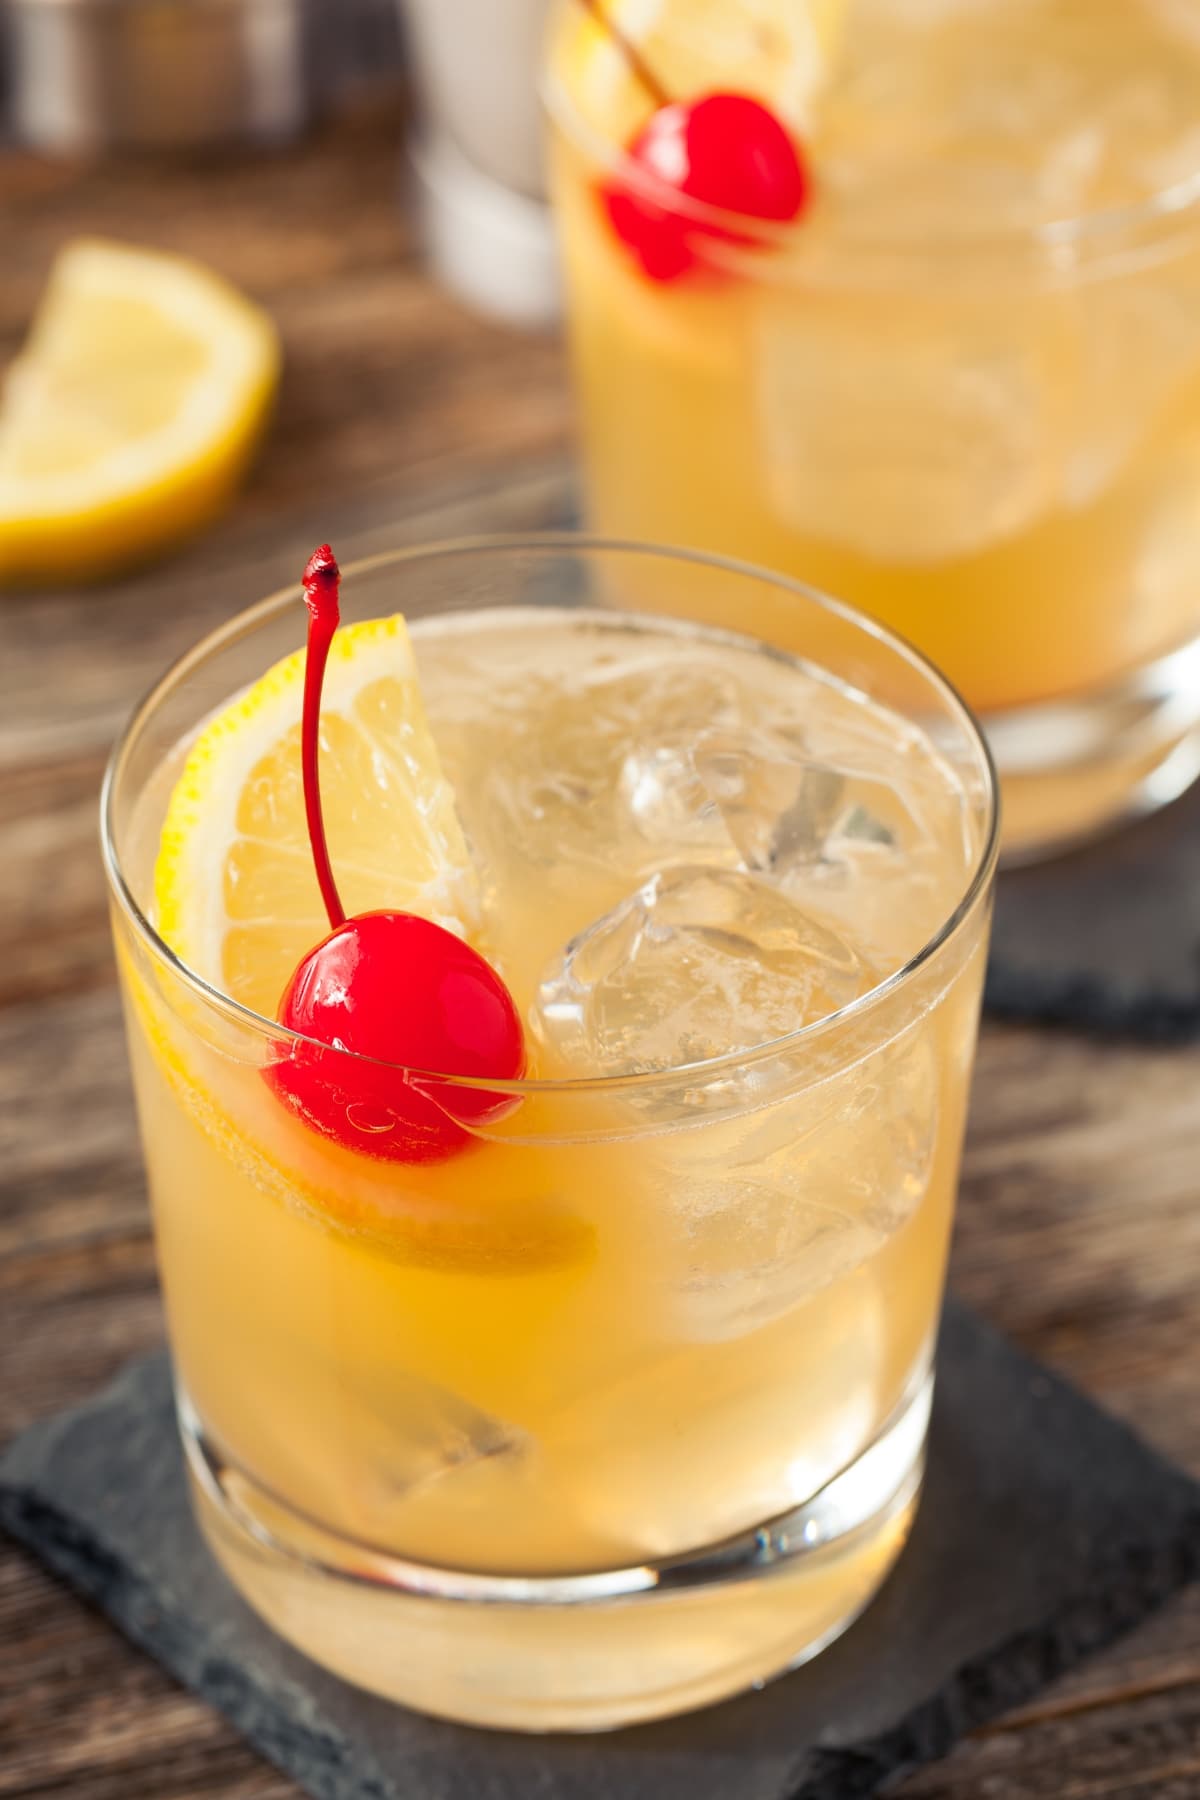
{"points": [[579, 1652], [1071, 769]]}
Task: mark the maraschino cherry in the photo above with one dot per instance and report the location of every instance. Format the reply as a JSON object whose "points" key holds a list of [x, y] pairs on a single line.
{"points": [[727, 151], [389, 986]]}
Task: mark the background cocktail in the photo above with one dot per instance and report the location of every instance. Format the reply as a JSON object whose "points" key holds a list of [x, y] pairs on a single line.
{"points": [[963, 388], [686, 1281]]}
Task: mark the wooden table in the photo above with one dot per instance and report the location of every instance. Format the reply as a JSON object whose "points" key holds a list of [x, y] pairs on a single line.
{"points": [[401, 417]]}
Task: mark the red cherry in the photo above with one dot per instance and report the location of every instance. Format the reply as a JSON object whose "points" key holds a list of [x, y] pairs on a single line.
{"points": [[725, 150], [388, 986], [399, 989]]}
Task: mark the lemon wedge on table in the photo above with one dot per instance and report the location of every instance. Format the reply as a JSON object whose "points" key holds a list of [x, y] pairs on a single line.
{"points": [[235, 893], [130, 415]]}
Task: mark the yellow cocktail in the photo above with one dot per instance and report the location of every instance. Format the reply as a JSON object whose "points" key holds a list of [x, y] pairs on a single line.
{"points": [[615, 1400], [961, 387]]}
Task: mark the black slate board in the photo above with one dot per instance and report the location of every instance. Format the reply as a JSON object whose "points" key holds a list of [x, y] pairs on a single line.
{"points": [[1107, 937], [1046, 1529]]}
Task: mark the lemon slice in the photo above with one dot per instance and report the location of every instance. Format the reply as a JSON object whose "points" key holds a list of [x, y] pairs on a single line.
{"points": [[235, 894], [132, 412], [777, 50], [236, 898]]}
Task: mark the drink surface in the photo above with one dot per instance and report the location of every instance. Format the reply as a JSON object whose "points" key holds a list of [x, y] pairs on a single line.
{"points": [[643, 789], [963, 390], [624, 1322]]}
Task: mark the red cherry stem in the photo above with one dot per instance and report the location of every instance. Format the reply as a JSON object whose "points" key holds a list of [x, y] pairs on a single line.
{"points": [[321, 582], [638, 65]]}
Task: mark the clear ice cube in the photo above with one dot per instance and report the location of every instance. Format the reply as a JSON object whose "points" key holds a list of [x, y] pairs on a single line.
{"points": [[854, 826], [565, 793], [696, 963], [777, 807], [670, 806], [413, 1433], [947, 411], [1121, 395], [916, 439], [650, 1469], [755, 1251], [785, 809], [1061, 107], [813, 1188], [872, 1157]]}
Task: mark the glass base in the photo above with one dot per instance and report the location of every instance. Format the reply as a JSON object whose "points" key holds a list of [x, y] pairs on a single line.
{"points": [[1071, 769], [578, 1652]]}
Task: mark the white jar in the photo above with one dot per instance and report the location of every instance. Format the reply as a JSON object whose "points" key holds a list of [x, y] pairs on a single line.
{"points": [[477, 154]]}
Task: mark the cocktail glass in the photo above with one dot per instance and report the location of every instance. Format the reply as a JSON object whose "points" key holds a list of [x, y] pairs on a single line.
{"points": [[962, 390], [622, 1406]]}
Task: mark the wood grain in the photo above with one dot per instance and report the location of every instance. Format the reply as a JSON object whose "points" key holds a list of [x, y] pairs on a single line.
{"points": [[401, 417]]}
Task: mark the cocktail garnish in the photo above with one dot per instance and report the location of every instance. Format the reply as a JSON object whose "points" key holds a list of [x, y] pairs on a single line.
{"points": [[724, 150], [389, 986]]}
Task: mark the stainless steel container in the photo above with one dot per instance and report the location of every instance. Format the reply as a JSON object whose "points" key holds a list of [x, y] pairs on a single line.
{"points": [[154, 74]]}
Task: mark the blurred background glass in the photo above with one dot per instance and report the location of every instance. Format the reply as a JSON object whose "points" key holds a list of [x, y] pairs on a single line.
{"points": [[962, 390]]}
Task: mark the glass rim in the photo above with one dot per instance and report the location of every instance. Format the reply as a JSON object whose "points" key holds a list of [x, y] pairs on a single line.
{"points": [[1097, 229], [243, 625]]}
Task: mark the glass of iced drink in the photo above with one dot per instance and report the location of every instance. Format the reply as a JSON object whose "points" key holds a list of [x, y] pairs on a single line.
{"points": [[553, 1269], [903, 297]]}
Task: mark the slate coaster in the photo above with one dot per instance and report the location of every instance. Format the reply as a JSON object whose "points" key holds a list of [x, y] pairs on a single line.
{"points": [[1046, 1529], [1107, 937]]}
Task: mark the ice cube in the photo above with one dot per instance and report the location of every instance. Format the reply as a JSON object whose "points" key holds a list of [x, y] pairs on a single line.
{"points": [[872, 1157], [859, 828], [698, 962], [1122, 397], [754, 1251], [381, 1447], [670, 806], [426, 1468], [777, 807], [1065, 107], [862, 826], [809, 1192], [410, 1432], [937, 416], [784, 807], [608, 749], [652, 1470], [915, 439]]}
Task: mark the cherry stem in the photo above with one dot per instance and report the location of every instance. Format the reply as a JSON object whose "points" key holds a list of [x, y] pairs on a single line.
{"points": [[633, 56], [322, 581]]}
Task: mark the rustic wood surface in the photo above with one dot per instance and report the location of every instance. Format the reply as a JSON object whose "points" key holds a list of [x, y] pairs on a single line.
{"points": [[403, 417]]}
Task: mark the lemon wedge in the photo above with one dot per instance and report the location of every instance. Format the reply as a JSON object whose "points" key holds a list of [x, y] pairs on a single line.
{"points": [[235, 894], [131, 413]]}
